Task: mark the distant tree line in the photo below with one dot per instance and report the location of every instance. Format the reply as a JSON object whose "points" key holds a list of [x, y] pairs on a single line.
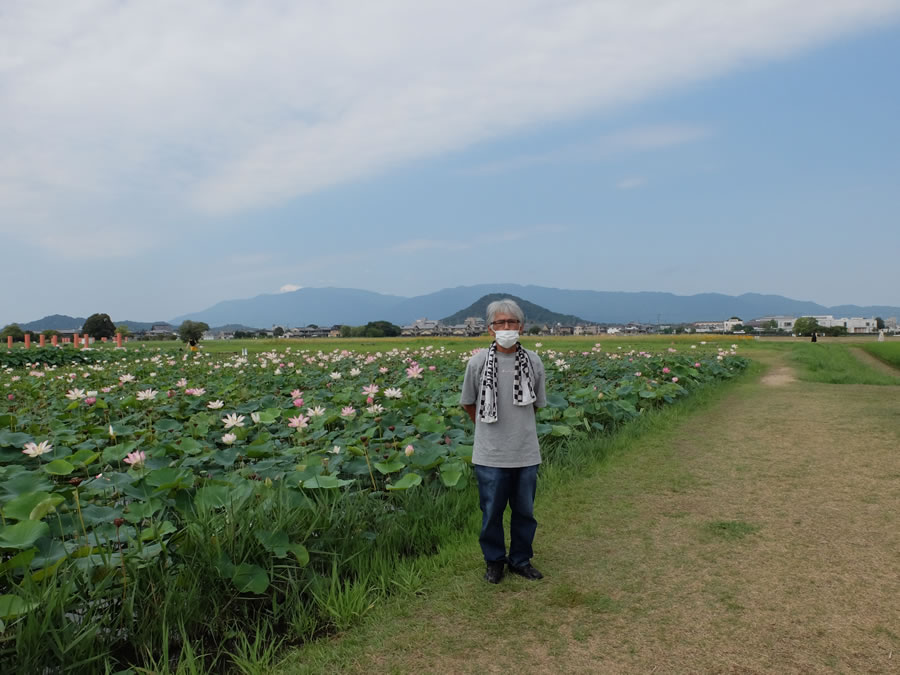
{"points": [[373, 329]]}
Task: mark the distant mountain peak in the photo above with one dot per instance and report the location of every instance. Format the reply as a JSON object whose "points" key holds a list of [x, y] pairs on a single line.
{"points": [[533, 313]]}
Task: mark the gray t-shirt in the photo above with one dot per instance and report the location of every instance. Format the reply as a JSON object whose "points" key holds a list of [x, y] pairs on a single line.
{"points": [[512, 440]]}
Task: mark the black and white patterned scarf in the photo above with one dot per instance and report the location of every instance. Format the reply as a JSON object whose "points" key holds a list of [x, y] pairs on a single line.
{"points": [[523, 383]]}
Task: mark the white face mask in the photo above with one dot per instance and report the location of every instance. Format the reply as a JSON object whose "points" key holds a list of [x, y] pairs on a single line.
{"points": [[506, 338]]}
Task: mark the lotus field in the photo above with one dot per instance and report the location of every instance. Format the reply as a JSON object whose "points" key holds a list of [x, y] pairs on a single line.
{"points": [[155, 502]]}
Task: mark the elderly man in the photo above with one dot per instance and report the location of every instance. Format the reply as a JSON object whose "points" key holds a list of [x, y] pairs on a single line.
{"points": [[503, 387]]}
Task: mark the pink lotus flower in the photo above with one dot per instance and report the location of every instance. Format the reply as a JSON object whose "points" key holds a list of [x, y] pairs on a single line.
{"points": [[298, 422], [10, 397], [370, 390], [296, 393], [90, 400], [409, 450], [637, 374], [666, 370], [181, 383], [383, 370], [348, 411], [674, 379], [432, 367], [414, 372], [369, 400], [136, 458], [697, 365], [228, 439], [298, 402]]}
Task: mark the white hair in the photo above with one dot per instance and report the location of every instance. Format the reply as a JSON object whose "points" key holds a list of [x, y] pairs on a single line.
{"points": [[505, 306]]}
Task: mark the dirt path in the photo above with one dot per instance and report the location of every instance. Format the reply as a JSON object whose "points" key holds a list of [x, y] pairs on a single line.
{"points": [[873, 362], [760, 536]]}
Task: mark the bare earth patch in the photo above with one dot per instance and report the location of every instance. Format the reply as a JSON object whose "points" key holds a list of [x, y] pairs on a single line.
{"points": [[759, 536], [778, 377]]}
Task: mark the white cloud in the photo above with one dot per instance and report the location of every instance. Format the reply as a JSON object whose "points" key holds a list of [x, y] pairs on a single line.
{"points": [[628, 140], [289, 288], [213, 107]]}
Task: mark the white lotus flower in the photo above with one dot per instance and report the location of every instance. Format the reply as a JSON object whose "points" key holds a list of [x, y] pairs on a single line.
{"points": [[215, 405], [37, 449], [233, 420]]}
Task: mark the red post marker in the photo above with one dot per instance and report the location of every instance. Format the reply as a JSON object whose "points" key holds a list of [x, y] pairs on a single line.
{"points": [[9, 341], [53, 340], [27, 340], [42, 340], [119, 340], [103, 339], [75, 340], [87, 340]]}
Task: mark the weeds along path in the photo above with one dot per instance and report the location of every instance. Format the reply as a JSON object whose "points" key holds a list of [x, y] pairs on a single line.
{"points": [[874, 362], [760, 535]]}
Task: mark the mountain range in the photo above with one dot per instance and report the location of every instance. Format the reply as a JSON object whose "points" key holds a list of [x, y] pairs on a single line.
{"points": [[330, 306]]}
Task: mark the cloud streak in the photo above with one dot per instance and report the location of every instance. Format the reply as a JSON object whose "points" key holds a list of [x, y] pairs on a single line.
{"points": [[215, 108]]}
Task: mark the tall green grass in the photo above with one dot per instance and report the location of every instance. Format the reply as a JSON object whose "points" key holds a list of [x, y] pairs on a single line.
{"points": [[182, 613], [889, 352], [834, 364]]}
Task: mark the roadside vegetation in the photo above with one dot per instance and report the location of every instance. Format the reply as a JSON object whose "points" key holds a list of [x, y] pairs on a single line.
{"points": [[889, 352]]}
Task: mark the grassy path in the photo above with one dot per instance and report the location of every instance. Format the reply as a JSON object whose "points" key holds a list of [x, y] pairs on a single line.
{"points": [[873, 362], [760, 535]]}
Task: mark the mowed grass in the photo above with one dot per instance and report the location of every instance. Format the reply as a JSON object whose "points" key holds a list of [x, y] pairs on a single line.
{"points": [[832, 363], [889, 352]]}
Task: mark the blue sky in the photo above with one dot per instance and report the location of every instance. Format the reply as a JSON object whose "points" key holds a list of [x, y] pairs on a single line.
{"points": [[160, 158]]}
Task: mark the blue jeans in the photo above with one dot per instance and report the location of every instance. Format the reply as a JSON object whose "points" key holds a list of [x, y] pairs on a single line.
{"points": [[496, 489]]}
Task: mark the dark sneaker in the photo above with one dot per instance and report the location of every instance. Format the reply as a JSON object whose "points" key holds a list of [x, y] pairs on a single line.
{"points": [[494, 572], [526, 571]]}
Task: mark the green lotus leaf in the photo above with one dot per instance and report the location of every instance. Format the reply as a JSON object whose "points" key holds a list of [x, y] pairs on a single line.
{"points": [[408, 481], [23, 535], [58, 467], [389, 467], [12, 606], [22, 507], [249, 578]]}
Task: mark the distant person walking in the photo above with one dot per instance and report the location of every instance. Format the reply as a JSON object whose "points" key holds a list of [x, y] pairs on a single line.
{"points": [[813, 337], [502, 389]]}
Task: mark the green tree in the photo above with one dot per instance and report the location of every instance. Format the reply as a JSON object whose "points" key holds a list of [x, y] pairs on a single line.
{"points": [[14, 330], [879, 323], [192, 330], [534, 330], [382, 329], [346, 331], [123, 330], [771, 324], [50, 332], [807, 325], [99, 326], [278, 331]]}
